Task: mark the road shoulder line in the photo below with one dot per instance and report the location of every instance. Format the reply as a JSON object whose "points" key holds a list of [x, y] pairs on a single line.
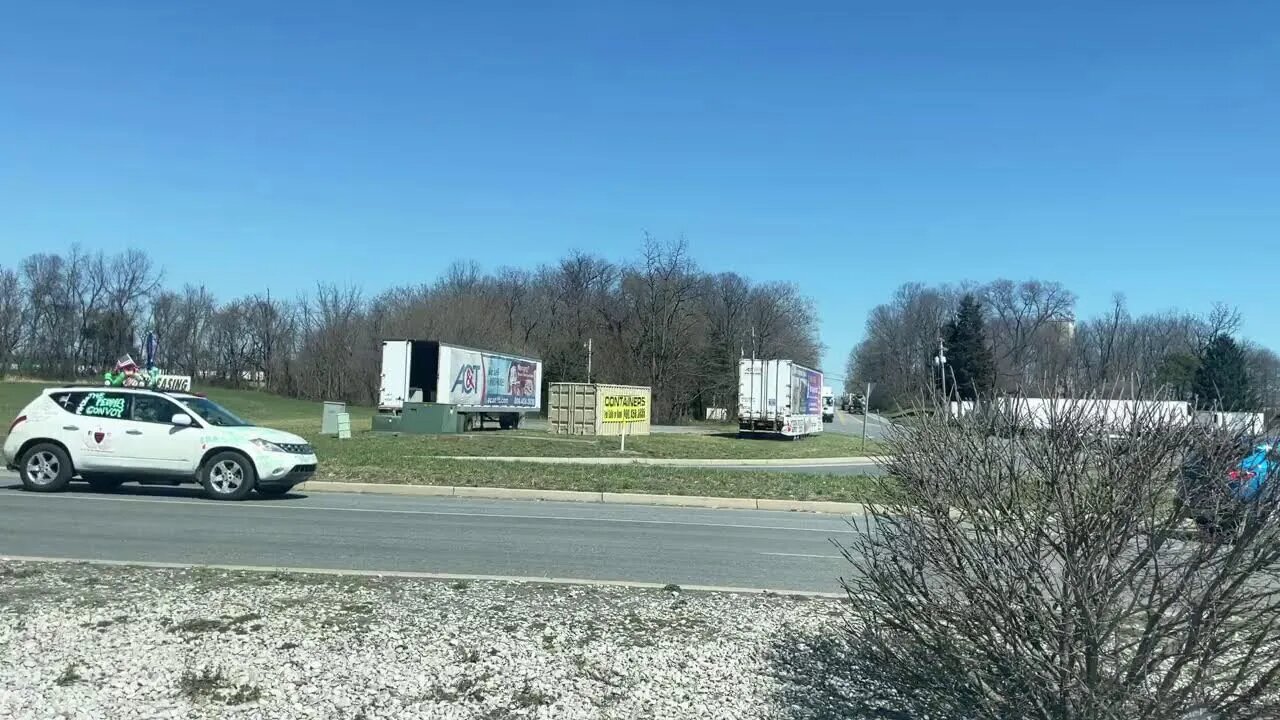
{"points": [[519, 579]]}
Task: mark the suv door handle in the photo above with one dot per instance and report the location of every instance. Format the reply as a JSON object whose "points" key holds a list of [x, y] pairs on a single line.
{"points": [[132, 432], [70, 427]]}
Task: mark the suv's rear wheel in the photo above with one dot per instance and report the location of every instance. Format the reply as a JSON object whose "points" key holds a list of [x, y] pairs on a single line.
{"points": [[45, 468], [228, 476]]}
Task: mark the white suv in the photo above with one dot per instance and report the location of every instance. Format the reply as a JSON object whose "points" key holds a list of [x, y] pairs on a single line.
{"points": [[110, 435]]}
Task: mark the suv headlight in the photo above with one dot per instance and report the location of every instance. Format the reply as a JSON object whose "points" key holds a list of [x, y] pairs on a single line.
{"points": [[266, 445]]}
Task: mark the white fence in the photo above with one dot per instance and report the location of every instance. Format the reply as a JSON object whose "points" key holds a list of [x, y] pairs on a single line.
{"points": [[1241, 422], [1110, 415]]}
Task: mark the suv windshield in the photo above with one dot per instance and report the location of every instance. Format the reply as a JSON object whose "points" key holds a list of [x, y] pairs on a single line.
{"points": [[213, 413]]}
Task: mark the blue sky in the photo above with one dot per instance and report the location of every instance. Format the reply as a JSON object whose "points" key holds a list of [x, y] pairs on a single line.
{"points": [[845, 146]]}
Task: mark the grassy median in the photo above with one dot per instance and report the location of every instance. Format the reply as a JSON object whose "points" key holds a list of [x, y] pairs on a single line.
{"points": [[418, 459], [619, 478]]}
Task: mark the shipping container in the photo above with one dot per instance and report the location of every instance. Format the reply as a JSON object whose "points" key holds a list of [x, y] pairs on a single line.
{"points": [[595, 409], [483, 385], [779, 397]]}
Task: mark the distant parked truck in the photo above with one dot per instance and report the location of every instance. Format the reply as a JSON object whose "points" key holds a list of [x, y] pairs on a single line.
{"points": [[828, 404], [482, 385], [779, 397], [858, 404]]}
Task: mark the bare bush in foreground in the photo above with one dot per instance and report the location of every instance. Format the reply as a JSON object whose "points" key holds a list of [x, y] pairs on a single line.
{"points": [[1050, 574]]}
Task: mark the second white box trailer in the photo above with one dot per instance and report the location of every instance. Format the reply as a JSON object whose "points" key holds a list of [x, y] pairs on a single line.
{"points": [[483, 385], [779, 397]]}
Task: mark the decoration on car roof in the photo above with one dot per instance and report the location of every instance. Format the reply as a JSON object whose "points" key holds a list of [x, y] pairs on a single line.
{"points": [[127, 374]]}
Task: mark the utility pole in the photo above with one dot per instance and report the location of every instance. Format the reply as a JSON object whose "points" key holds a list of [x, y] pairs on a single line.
{"points": [[866, 408], [941, 361], [588, 361]]}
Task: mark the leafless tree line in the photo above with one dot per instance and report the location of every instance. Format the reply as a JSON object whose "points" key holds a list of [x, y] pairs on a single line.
{"points": [[1038, 341], [658, 320]]}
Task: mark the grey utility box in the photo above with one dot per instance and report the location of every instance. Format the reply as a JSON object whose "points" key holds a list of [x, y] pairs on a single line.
{"points": [[329, 421]]}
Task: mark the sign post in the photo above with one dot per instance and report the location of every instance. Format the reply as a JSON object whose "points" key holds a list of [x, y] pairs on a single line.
{"points": [[866, 408]]}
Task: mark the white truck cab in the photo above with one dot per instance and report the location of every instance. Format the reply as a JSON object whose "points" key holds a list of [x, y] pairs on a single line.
{"points": [[828, 404]]}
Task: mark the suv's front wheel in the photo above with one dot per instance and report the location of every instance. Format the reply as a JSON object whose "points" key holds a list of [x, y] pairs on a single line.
{"points": [[228, 476], [45, 468]]}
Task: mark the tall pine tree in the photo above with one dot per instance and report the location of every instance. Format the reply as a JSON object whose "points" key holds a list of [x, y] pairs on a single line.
{"points": [[971, 367], [1222, 380], [1177, 374]]}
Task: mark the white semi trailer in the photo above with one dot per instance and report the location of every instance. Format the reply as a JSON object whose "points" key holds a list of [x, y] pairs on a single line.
{"points": [[779, 397], [483, 385]]}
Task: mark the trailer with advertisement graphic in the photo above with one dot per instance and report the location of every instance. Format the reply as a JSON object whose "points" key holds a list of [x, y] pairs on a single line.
{"points": [[482, 385], [779, 397]]}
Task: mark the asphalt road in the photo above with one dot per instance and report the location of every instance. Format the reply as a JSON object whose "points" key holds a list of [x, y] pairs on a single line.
{"points": [[540, 423], [732, 548], [849, 424], [845, 424]]}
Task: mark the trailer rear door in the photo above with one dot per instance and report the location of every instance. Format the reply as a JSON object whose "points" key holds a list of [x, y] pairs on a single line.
{"points": [[396, 356]]}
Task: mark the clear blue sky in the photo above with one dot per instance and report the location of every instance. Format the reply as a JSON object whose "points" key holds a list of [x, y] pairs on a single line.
{"points": [[846, 146]]}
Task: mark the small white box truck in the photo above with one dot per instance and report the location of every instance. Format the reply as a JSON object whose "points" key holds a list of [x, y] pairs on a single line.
{"points": [[779, 397], [483, 385]]}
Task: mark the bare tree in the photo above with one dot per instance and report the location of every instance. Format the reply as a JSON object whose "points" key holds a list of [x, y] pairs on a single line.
{"points": [[725, 303], [1047, 576], [1264, 377], [901, 340], [187, 342], [663, 291], [11, 309], [1221, 320], [1027, 325]]}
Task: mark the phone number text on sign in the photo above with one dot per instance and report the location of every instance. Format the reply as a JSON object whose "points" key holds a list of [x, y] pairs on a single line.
{"points": [[625, 408]]}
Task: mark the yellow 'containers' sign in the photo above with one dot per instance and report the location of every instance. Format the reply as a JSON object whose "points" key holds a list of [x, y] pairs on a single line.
{"points": [[626, 408], [610, 410]]}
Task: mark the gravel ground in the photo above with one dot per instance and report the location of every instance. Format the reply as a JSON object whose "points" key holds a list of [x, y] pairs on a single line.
{"points": [[80, 641]]}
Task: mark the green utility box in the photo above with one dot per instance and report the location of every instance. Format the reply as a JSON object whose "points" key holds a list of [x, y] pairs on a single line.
{"points": [[429, 419]]}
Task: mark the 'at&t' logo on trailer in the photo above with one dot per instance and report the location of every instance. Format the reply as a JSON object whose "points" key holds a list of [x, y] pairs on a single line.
{"points": [[468, 379]]}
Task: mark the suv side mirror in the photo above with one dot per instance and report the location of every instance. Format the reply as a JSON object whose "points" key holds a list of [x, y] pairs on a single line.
{"points": [[181, 420]]}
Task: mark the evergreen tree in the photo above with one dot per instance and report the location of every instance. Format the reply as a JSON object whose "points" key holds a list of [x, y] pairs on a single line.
{"points": [[1177, 373], [1222, 380], [971, 367]]}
